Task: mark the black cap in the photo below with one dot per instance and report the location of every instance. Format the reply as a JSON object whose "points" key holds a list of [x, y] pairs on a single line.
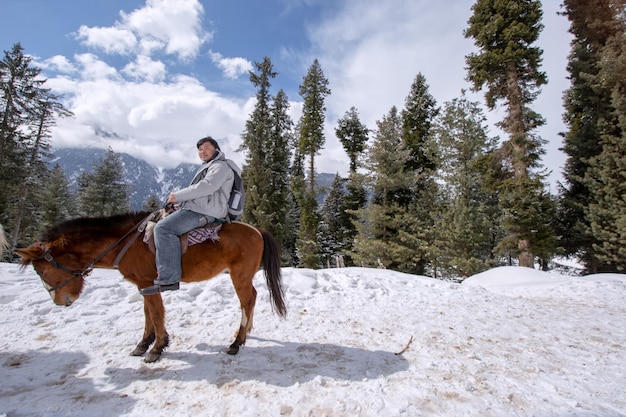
{"points": [[208, 139]]}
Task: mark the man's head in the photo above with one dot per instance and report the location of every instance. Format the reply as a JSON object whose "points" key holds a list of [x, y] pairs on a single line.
{"points": [[210, 140], [207, 148]]}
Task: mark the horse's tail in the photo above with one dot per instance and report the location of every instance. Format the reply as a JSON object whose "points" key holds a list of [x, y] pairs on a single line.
{"points": [[273, 277]]}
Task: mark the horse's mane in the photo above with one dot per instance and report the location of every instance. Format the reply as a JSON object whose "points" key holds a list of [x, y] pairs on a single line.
{"points": [[95, 226]]}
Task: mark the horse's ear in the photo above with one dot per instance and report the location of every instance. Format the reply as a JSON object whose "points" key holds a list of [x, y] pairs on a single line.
{"points": [[28, 254]]}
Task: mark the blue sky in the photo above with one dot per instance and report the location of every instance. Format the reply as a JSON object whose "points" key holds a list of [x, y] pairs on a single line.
{"points": [[149, 77]]}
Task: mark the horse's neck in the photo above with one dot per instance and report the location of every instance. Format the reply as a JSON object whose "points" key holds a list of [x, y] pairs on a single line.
{"points": [[101, 244]]}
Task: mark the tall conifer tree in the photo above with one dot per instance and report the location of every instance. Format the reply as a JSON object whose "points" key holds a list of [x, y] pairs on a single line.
{"points": [[606, 176], [377, 243], [418, 199], [592, 119], [256, 172], [27, 114], [353, 135], [507, 65], [313, 90], [280, 145]]}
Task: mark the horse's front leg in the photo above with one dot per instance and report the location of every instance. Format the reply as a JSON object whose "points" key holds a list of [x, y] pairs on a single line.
{"points": [[148, 334], [155, 328]]}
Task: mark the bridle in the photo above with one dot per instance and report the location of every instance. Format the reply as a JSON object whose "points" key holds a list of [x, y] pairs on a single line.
{"points": [[82, 273]]}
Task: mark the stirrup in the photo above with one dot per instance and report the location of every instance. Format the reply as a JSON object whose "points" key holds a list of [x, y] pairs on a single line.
{"points": [[156, 288]]}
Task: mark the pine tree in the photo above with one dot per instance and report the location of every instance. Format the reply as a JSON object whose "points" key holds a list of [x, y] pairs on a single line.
{"points": [[58, 202], [419, 112], [27, 112], [256, 172], [279, 150], [20, 83], [44, 107], [333, 227], [588, 106], [418, 199], [377, 241], [152, 203], [313, 90], [606, 176], [298, 185], [467, 216], [103, 192], [508, 66], [353, 135]]}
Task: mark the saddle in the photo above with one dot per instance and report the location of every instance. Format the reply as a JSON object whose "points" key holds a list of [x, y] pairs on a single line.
{"points": [[193, 237]]}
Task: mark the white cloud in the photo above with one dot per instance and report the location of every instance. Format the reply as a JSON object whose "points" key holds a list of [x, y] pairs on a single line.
{"points": [[147, 113], [111, 40], [58, 63], [158, 122], [144, 68], [93, 68], [171, 26], [175, 23], [231, 67]]}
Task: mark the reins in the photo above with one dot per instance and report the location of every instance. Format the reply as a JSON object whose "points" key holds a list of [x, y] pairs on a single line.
{"points": [[81, 273]]}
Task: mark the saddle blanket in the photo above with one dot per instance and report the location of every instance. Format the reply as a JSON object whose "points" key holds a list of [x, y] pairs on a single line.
{"points": [[202, 234], [195, 236]]}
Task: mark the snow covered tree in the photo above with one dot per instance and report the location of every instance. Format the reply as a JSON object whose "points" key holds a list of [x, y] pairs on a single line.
{"points": [[333, 224]]}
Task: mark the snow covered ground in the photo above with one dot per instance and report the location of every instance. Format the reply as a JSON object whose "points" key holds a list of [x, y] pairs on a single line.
{"points": [[507, 342]]}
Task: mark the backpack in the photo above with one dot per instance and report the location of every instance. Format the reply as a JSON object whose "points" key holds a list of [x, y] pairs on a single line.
{"points": [[237, 197]]}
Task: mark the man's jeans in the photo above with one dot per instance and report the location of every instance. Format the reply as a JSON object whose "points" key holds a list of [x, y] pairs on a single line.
{"points": [[168, 252]]}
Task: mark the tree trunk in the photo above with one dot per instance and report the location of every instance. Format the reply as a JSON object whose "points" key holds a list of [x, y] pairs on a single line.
{"points": [[525, 253]]}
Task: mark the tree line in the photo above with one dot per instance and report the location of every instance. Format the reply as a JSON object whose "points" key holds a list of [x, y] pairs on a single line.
{"points": [[428, 190]]}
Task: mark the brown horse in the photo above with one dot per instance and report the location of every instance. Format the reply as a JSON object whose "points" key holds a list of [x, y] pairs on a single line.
{"points": [[68, 251]]}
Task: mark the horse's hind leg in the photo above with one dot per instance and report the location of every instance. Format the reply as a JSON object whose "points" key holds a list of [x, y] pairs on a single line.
{"points": [[247, 299]]}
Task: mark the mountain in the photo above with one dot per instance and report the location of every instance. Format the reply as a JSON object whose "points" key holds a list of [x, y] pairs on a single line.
{"points": [[142, 178]]}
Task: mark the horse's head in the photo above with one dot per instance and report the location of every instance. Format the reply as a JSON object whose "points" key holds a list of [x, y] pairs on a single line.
{"points": [[59, 270]]}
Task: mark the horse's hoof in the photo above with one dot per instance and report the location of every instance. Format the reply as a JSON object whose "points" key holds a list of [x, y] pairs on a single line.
{"points": [[233, 349], [139, 351], [152, 357]]}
